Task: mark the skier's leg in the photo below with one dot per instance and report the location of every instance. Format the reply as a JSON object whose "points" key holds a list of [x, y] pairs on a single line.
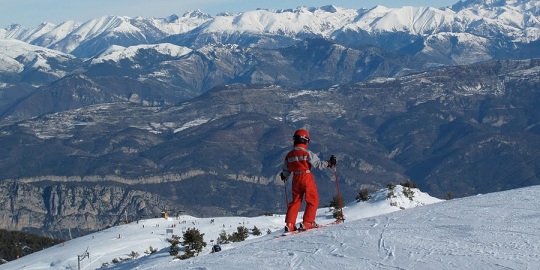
{"points": [[296, 202], [312, 202]]}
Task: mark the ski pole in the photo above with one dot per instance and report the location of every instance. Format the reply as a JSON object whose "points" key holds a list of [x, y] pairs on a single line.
{"points": [[340, 200], [285, 190], [286, 194]]}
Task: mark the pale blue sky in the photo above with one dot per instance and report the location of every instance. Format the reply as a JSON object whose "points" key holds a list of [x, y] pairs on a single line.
{"points": [[31, 13]]}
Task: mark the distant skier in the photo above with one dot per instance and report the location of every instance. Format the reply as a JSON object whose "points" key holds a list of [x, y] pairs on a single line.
{"points": [[299, 162]]}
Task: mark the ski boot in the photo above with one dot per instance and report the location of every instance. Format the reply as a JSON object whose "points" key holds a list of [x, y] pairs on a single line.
{"points": [[289, 227], [307, 225]]}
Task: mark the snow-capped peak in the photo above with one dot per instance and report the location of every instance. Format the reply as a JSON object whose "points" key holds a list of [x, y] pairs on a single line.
{"points": [[495, 4], [319, 21], [197, 14]]}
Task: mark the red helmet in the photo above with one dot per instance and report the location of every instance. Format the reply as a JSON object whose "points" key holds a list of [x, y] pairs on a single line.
{"points": [[301, 136]]}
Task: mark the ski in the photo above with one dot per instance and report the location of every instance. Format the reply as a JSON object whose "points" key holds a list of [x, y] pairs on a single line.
{"points": [[337, 221]]}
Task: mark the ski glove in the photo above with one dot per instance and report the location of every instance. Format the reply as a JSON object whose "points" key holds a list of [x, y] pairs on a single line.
{"points": [[283, 178], [332, 161]]}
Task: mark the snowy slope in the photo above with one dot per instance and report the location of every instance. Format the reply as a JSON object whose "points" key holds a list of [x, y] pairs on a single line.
{"points": [[15, 56], [493, 231], [117, 53], [321, 21]]}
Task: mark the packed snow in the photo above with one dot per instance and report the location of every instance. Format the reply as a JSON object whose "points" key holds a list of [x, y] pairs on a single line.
{"points": [[491, 231]]}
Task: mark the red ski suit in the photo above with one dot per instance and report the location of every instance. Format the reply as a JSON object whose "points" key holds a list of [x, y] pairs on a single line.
{"points": [[299, 162]]}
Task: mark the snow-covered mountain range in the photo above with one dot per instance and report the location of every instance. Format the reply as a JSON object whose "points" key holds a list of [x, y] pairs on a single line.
{"points": [[482, 232], [195, 52], [484, 23]]}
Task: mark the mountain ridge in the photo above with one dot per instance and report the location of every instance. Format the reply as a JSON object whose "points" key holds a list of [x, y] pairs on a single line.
{"points": [[297, 24]]}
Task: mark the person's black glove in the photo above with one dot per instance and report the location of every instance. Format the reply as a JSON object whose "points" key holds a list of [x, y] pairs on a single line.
{"points": [[283, 178], [332, 161]]}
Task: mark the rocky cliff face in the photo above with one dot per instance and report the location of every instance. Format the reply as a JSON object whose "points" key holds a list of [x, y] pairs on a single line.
{"points": [[65, 210]]}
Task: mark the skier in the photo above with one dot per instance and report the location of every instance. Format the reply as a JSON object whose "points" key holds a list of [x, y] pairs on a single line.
{"points": [[299, 162]]}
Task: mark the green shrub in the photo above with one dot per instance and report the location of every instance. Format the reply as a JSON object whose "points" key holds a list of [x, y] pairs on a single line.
{"points": [[408, 193], [256, 231], [409, 184], [223, 238], [240, 235], [174, 249], [134, 255], [363, 195]]}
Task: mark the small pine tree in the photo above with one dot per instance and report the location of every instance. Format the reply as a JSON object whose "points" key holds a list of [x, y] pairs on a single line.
{"points": [[223, 238], [363, 195], [150, 250], [174, 249], [256, 231], [240, 235], [188, 254], [336, 204], [391, 186], [193, 243], [134, 254]]}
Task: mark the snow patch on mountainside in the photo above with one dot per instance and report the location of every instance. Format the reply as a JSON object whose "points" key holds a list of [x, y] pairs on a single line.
{"points": [[116, 53], [461, 48], [192, 123], [15, 56], [414, 20], [8, 64]]}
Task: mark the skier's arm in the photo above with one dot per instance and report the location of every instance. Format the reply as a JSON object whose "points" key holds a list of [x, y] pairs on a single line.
{"points": [[285, 171], [316, 162]]}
